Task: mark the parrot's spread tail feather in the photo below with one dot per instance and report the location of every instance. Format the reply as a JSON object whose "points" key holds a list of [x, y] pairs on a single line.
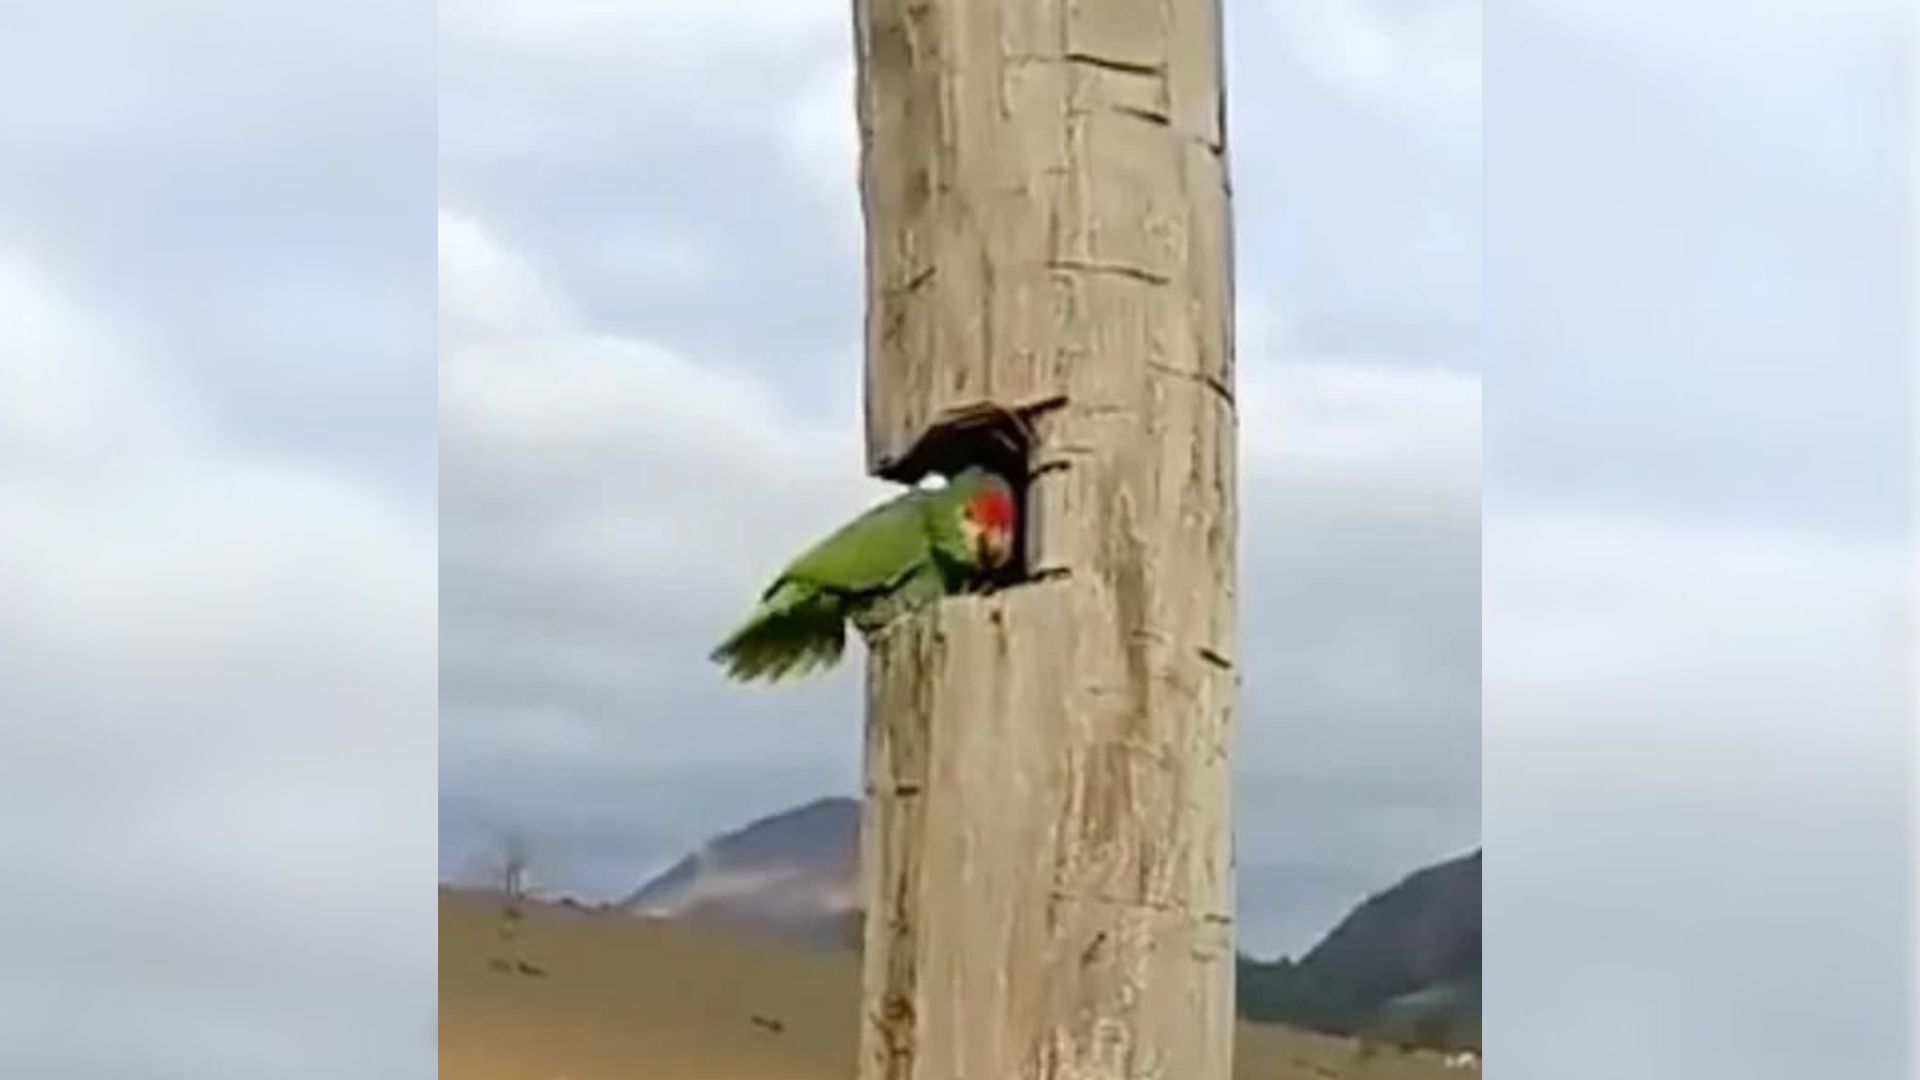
{"points": [[794, 631]]}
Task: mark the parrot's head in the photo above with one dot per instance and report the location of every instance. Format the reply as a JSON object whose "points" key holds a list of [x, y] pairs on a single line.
{"points": [[987, 516]]}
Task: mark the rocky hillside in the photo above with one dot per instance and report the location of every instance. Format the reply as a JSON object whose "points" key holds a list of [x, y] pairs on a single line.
{"points": [[1404, 964], [793, 875]]}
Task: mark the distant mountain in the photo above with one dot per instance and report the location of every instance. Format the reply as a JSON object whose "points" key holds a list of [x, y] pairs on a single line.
{"points": [[793, 875], [1404, 965]]}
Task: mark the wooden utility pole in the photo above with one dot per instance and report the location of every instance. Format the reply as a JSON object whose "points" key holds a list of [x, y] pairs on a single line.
{"points": [[1046, 846]]}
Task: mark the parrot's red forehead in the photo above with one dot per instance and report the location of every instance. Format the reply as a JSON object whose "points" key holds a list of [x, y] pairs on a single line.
{"points": [[993, 509]]}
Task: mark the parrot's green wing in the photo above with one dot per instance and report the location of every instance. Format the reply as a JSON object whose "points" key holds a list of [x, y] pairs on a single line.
{"points": [[871, 553], [926, 584], [799, 625]]}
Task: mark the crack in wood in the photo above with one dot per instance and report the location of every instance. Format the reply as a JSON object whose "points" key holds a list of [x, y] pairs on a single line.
{"points": [[1156, 117], [914, 283], [1123, 67], [1212, 383], [1113, 269]]}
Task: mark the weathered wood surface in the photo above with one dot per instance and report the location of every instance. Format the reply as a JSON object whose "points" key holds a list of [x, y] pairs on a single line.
{"points": [[1046, 200], [1046, 847]]}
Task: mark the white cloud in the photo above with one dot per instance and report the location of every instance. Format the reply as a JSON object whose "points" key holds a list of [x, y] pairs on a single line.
{"points": [[487, 293], [1356, 426], [620, 459], [71, 398], [215, 673]]}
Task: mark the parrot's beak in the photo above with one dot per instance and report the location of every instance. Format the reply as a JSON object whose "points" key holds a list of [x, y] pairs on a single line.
{"points": [[999, 546], [985, 542]]}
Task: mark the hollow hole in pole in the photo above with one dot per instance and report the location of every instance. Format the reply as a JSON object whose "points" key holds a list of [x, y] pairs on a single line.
{"points": [[993, 436]]}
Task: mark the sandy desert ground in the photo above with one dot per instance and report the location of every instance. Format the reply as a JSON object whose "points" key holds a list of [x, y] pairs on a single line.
{"points": [[570, 994]]}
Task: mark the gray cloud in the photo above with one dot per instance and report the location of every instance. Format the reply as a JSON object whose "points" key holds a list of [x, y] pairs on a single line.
{"points": [[252, 185]]}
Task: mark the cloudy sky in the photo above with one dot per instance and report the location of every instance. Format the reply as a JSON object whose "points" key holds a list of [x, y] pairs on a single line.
{"points": [[650, 376], [1697, 537], [218, 519], [217, 539]]}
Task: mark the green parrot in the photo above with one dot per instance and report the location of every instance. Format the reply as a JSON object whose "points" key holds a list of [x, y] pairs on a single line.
{"points": [[901, 555]]}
